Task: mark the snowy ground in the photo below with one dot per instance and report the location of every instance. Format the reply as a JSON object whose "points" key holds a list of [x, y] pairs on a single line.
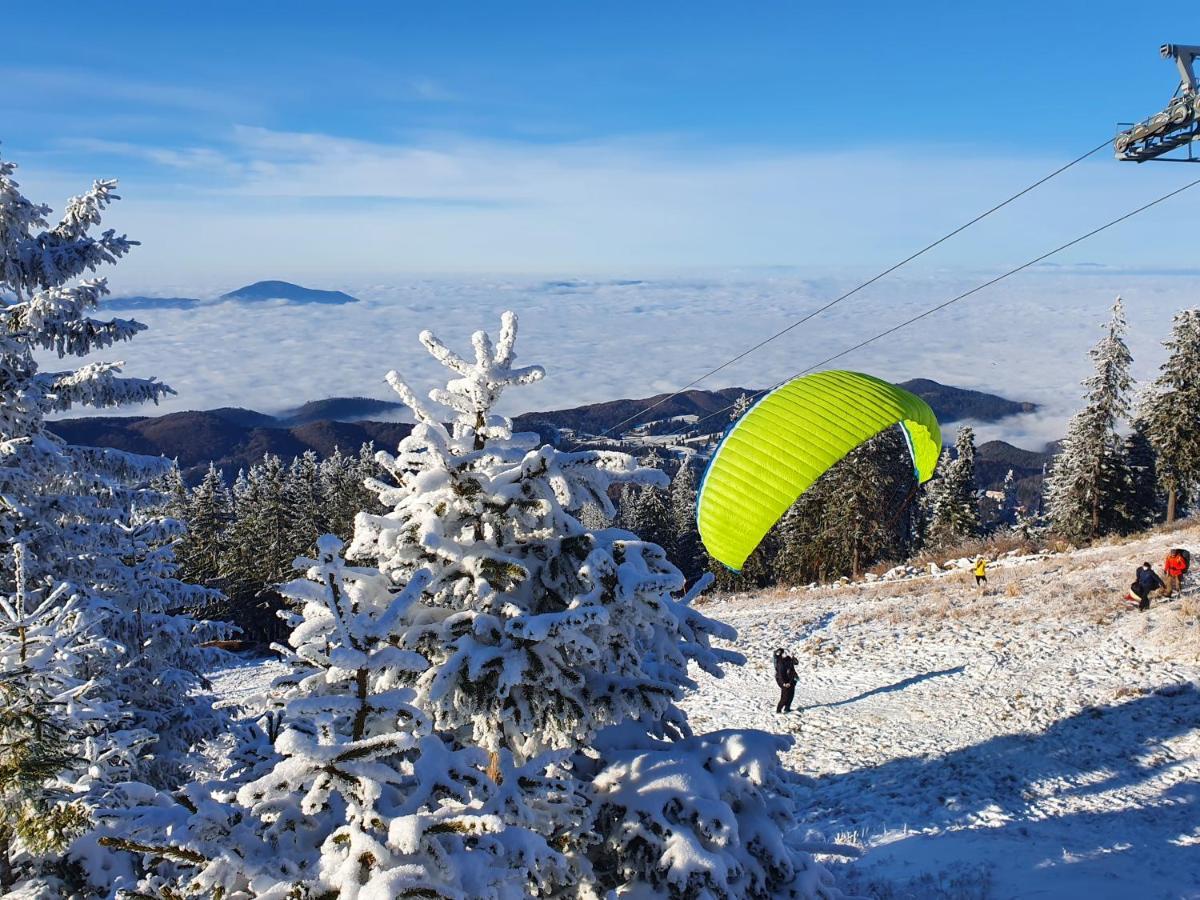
{"points": [[1037, 739]]}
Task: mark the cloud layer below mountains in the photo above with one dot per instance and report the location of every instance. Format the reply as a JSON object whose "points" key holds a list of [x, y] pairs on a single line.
{"points": [[607, 338]]}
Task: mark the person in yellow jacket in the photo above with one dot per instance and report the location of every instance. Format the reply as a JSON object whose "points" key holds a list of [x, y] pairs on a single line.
{"points": [[980, 572]]}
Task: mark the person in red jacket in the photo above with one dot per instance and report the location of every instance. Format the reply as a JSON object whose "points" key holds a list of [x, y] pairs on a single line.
{"points": [[1174, 568]]}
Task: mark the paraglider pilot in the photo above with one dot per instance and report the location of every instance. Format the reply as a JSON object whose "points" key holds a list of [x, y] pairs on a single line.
{"points": [[1145, 582], [786, 678]]}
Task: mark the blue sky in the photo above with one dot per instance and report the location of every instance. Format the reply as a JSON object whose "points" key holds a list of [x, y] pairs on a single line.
{"points": [[299, 140]]}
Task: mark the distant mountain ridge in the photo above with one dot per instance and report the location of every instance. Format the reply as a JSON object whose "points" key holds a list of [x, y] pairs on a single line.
{"points": [[234, 438], [285, 290], [259, 292]]}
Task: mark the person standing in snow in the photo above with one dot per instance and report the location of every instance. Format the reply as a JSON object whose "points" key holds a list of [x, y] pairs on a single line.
{"points": [[786, 678], [1144, 583], [1174, 568], [981, 565]]}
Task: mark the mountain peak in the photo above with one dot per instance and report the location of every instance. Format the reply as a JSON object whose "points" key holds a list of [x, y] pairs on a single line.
{"points": [[285, 290]]}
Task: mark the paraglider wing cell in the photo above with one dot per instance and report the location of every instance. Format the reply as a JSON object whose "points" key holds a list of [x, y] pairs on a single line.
{"points": [[788, 439]]}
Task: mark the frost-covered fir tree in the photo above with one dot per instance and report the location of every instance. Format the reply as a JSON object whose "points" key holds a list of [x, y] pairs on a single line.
{"points": [[1090, 472], [82, 514], [1141, 504], [542, 637], [740, 405], [363, 801], [856, 514], [645, 513], [46, 715], [1168, 411], [953, 500], [686, 549], [207, 513], [1010, 501]]}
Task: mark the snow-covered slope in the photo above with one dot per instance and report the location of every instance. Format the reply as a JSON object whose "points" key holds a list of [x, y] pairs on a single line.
{"points": [[1037, 739]]}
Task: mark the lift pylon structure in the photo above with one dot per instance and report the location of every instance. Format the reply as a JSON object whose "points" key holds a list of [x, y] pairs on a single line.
{"points": [[1176, 126]]}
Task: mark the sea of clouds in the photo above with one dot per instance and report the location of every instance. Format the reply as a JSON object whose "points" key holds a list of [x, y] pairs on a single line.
{"points": [[602, 338]]}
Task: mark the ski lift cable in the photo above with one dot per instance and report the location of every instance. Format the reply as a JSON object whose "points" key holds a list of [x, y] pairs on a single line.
{"points": [[855, 290], [962, 296]]}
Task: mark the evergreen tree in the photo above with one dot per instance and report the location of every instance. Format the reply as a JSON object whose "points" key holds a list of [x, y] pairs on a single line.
{"points": [[954, 502], [542, 637], [505, 726], [1091, 473], [686, 549], [1170, 408], [1010, 501], [46, 713], [78, 511], [306, 505], [740, 405], [208, 514], [858, 512], [1138, 503], [84, 516]]}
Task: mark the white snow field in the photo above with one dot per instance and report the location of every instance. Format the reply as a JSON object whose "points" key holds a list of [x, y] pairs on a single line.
{"points": [[1038, 739]]}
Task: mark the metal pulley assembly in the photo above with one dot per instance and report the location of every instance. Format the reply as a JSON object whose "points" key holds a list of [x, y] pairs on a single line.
{"points": [[1175, 127]]}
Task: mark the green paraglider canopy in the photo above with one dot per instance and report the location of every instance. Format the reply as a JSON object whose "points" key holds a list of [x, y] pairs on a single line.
{"points": [[788, 439]]}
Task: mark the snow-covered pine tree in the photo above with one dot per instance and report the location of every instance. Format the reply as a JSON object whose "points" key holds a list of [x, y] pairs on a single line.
{"points": [[954, 502], [1091, 472], [645, 513], [1140, 504], [343, 488], [81, 513], [207, 513], [1010, 501], [543, 637], [740, 405], [1169, 410], [856, 514], [687, 551], [363, 801], [46, 714], [306, 504]]}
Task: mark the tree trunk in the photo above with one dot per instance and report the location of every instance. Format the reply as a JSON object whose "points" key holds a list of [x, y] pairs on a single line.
{"points": [[493, 769], [1171, 494], [360, 717]]}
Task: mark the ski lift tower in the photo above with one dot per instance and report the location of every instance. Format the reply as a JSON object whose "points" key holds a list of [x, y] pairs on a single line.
{"points": [[1176, 126]]}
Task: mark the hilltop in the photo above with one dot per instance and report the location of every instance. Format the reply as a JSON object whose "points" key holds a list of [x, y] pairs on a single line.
{"points": [[233, 438], [258, 292]]}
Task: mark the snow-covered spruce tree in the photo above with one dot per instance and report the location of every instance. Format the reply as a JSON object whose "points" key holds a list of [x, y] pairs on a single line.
{"points": [[645, 513], [207, 512], [1010, 500], [740, 405], [1090, 472], [954, 503], [82, 514], [1168, 411], [686, 549], [363, 800], [542, 637], [856, 514], [1140, 504], [46, 715]]}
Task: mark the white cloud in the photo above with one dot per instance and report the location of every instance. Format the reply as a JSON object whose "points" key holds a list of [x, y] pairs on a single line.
{"points": [[262, 200], [604, 339]]}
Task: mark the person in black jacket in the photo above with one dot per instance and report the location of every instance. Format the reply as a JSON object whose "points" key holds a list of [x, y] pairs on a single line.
{"points": [[786, 678], [1144, 583]]}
